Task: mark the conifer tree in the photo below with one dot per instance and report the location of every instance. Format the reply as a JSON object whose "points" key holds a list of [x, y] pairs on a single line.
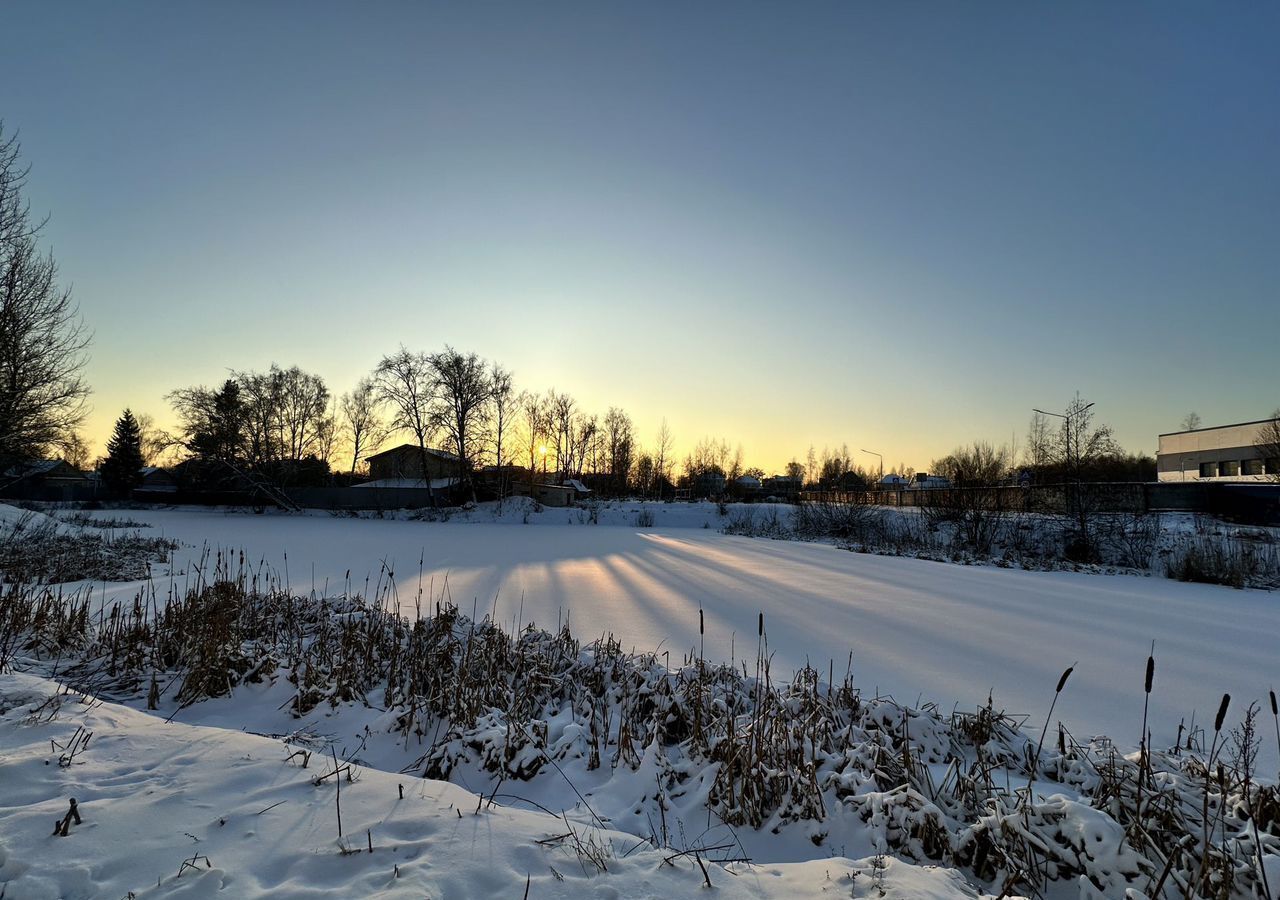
{"points": [[120, 470]]}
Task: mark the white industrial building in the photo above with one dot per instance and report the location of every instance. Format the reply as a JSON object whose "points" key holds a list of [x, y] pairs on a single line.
{"points": [[1221, 453]]}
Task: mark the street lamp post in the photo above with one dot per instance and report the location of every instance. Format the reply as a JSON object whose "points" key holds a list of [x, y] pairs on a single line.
{"points": [[1072, 461], [881, 458]]}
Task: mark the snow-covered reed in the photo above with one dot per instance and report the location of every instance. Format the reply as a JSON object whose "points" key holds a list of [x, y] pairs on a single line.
{"points": [[965, 789]]}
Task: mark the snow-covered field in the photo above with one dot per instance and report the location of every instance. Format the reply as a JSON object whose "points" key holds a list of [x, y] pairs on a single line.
{"points": [[923, 630], [157, 793]]}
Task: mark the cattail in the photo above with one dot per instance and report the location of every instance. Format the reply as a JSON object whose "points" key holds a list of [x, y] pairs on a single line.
{"points": [[702, 630], [1035, 764], [1222, 712], [1151, 671], [760, 627], [1274, 710]]}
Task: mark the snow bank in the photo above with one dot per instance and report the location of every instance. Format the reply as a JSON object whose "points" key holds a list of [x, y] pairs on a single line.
{"points": [[171, 810]]}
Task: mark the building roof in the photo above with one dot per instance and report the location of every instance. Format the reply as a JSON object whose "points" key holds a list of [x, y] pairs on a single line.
{"points": [[33, 467], [431, 451], [1216, 427], [577, 485]]}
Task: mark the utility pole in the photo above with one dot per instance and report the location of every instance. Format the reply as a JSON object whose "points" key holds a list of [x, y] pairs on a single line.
{"points": [[881, 458], [1072, 460]]}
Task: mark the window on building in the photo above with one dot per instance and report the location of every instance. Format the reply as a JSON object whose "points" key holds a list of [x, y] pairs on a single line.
{"points": [[1208, 470], [1251, 467], [1229, 468], [1273, 465]]}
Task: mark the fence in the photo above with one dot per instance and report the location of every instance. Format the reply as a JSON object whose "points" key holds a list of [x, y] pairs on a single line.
{"points": [[1050, 498], [1257, 503]]}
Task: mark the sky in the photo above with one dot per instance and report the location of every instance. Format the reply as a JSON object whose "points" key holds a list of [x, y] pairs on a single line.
{"points": [[898, 227]]}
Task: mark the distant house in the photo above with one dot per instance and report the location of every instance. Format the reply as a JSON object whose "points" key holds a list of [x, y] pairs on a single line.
{"points": [[405, 462], [923, 481], [154, 482], [708, 484], [782, 486], [749, 484], [893, 482], [45, 479]]}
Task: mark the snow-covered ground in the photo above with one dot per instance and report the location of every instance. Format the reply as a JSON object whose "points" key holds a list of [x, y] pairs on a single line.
{"points": [[918, 630], [156, 793]]}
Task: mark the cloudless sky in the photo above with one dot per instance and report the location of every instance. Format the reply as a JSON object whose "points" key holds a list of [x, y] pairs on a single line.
{"points": [[899, 226]]}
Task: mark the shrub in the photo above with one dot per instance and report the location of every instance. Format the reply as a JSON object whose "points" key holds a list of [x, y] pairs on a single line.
{"points": [[38, 550]]}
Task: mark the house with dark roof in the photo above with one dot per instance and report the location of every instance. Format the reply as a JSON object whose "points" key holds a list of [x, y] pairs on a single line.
{"points": [[405, 462], [45, 479]]}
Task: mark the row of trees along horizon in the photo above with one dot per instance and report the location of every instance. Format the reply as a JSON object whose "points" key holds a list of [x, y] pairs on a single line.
{"points": [[285, 423]]}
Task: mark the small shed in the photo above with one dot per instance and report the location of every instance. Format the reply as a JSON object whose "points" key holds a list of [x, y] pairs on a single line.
{"points": [[546, 494]]}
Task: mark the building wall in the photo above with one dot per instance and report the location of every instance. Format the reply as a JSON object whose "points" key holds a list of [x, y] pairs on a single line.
{"points": [[1214, 454], [406, 462], [546, 494]]}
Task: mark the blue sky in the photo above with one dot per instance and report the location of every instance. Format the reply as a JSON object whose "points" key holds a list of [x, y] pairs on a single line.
{"points": [[896, 226]]}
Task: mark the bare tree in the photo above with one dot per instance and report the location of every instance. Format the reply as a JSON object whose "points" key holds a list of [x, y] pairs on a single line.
{"points": [[260, 402], [1039, 441], [155, 442], [462, 390], [533, 410], [42, 338], [303, 415], [1191, 421], [735, 466], [264, 420], [361, 417], [562, 413], [586, 432], [620, 448], [644, 474], [404, 382], [1078, 451], [503, 403], [1080, 443], [75, 452], [326, 435], [662, 460], [978, 465], [1268, 446]]}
